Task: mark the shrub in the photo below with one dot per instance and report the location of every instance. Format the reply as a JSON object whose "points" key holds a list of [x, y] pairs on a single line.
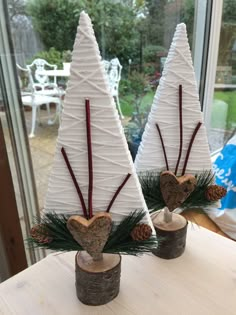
{"points": [[52, 56], [114, 25], [55, 21], [149, 70], [66, 55], [124, 86], [138, 84], [151, 53]]}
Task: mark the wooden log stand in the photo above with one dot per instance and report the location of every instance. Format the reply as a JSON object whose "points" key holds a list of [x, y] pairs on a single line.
{"points": [[97, 282], [172, 235]]}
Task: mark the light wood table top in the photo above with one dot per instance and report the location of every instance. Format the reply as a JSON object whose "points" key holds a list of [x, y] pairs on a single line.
{"points": [[200, 282]]}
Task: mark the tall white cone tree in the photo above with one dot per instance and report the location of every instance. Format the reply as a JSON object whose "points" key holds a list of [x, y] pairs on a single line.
{"points": [[111, 160], [165, 112]]}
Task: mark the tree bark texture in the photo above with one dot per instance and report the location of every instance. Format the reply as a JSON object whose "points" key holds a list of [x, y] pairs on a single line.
{"points": [[97, 282], [171, 243]]}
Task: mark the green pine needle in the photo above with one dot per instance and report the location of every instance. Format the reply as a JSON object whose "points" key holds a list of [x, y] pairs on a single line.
{"points": [[120, 241], [54, 227], [150, 183], [54, 235], [120, 232]]}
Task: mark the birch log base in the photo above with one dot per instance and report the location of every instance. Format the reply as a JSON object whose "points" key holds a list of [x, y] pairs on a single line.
{"points": [[97, 282], [172, 235]]}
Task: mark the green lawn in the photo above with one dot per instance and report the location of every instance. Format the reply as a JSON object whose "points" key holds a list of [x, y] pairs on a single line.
{"points": [[128, 106], [224, 110], [223, 107]]}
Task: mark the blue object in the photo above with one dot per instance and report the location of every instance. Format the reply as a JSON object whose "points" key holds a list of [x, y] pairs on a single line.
{"points": [[225, 172]]}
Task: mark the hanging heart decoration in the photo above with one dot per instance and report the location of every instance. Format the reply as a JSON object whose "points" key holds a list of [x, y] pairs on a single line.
{"points": [[175, 190], [91, 234]]}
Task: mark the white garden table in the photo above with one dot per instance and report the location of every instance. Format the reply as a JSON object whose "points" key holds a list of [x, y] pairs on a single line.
{"points": [[200, 282], [55, 73]]}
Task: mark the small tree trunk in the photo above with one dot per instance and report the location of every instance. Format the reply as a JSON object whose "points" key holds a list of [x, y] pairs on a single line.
{"points": [[97, 282], [167, 215], [171, 235]]}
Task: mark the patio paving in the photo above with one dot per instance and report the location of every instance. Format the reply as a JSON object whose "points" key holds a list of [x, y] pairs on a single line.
{"points": [[42, 148]]}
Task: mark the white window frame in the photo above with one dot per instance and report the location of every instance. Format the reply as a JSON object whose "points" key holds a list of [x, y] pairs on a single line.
{"points": [[211, 62], [17, 129]]}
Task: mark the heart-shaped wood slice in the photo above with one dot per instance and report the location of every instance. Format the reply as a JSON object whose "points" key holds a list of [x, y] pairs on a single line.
{"points": [[91, 234], [175, 190]]}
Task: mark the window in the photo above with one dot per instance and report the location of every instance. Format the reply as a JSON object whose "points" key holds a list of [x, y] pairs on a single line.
{"points": [[139, 34], [223, 111]]}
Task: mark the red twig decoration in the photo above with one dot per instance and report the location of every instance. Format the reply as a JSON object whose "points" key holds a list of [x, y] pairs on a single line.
{"points": [[118, 191], [180, 129], [75, 182], [163, 147], [90, 170], [190, 146], [90, 159]]}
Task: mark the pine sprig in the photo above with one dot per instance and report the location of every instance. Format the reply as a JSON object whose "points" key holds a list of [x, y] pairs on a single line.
{"points": [[120, 240], [131, 247], [198, 199], [150, 183], [53, 227], [120, 232]]}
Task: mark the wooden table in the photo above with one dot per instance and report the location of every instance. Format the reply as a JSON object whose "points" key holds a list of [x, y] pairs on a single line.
{"points": [[200, 282]]}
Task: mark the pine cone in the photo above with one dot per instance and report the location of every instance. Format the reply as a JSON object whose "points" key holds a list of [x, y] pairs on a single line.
{"points": [[215, 192], [39, 234], [141, 232]]}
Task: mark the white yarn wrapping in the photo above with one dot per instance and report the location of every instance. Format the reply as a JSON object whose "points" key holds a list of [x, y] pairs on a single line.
{"points": [[111, 157], [178, 70]]}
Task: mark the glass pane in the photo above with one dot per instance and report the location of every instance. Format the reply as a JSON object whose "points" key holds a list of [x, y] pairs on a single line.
{"points": [[4, 274], [223, 115], [14, 132], [138, 33], [28, 46], [133, 35], [14, 175]]}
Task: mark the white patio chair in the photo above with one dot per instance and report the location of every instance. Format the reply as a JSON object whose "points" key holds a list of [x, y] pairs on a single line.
{"points": [[35, 99], [40, 81], [113, 69], [106, 64]]}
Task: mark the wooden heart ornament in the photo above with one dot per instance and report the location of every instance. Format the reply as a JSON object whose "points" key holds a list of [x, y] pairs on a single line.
{"points": [[91, 234], [175, 190]]}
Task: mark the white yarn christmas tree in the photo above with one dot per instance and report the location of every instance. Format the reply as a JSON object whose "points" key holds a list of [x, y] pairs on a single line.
{"points": [[178, 78], [111, 160]]}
